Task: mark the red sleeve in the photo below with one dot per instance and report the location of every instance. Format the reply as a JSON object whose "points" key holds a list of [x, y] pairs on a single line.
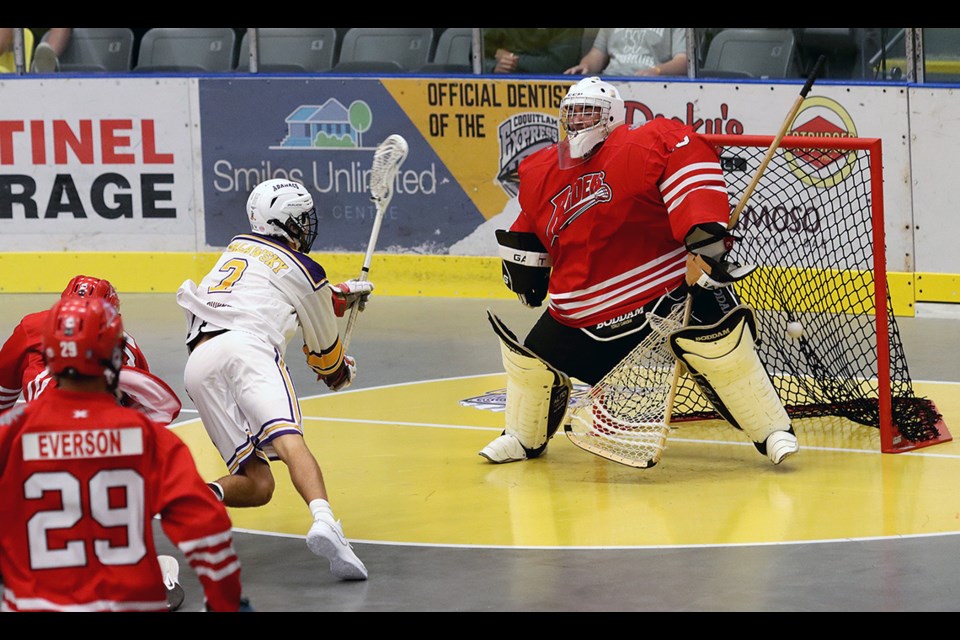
{"points": [[692, 185], [532, 177], [10, 423], [196, 522], [522, 224], [13, 359]]}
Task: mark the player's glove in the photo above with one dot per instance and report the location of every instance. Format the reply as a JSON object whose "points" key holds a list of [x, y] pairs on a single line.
{"points": [[346, 294], [342, 377]]}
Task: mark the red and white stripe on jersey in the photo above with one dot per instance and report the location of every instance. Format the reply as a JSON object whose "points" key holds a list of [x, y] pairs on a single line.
{"points": [[36, 386], [132, 355], [212, 557], [634, 287], [12, 603], [8, 397], [688, 180]]}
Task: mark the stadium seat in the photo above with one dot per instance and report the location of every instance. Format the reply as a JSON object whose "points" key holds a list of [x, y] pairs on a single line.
{"points": [[750, 53], [187, 49], [367, 48], [301, 50], [367, 66], [454, 52], [838, 46], [99, 49]]}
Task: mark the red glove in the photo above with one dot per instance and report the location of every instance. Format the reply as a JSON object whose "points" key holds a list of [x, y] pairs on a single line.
{"points": [[346, 294], [342, 377]]}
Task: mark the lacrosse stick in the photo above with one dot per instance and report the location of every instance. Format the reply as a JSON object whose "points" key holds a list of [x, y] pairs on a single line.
{"points": [[387, 159]]}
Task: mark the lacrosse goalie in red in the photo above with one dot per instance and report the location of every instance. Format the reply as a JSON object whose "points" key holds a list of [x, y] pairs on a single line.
{"points": [[82, 478], [618, 223]]}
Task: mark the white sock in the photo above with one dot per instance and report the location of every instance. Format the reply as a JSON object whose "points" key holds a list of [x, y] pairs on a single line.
{"points": [[320, 506]]}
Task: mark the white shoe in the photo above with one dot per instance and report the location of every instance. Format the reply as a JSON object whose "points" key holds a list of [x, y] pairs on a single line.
{"points": [[506, 448], [44, 59], [171, 580], [780, 445], [326, 540]]}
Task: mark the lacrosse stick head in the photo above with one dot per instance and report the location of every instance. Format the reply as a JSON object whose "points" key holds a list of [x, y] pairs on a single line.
{"points": [[625, 416], [387, 159]]}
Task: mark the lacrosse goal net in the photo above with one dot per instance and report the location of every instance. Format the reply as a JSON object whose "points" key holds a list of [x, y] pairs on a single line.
{"points": [[814, 226]]}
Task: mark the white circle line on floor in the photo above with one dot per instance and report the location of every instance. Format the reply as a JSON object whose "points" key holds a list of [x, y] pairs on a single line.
{"points": [[614, 547]]}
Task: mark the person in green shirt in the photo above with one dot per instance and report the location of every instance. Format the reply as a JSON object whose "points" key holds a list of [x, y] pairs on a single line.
{"points": [[535, 51]]}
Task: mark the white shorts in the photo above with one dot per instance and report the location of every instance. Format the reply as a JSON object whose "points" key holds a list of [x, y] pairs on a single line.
{"points": [[243, 392]]}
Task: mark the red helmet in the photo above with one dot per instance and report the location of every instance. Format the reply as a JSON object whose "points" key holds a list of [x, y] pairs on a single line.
{"points": [[84, 334], [89, 286]]}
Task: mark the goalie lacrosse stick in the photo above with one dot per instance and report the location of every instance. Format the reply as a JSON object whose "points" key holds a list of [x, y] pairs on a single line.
{"points": [[387, 159], [626, 416]]}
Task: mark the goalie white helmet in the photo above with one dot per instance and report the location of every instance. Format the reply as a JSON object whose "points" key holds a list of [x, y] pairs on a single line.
{"points": [[283, 208], [591, 109]]}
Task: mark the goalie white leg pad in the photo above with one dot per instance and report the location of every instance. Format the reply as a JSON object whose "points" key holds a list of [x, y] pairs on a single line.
{"points": [[537, 400], [534, 396], [723, 359]]}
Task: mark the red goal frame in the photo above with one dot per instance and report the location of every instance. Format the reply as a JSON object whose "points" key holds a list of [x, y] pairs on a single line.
{"points": [[891, 440]]}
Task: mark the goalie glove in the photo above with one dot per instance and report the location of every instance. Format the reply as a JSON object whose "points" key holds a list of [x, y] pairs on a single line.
{"points": [[525, 266], [342, 377], [346, 294], [717, 274], [711, 242]]}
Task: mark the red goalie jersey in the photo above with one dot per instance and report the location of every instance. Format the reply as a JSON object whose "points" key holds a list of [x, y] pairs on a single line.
{"points": [[614, 225], [82, 478], [21, 363]]}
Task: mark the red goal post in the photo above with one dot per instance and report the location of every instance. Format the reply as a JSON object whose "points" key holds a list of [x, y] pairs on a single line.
{"points": [[815, 226]]}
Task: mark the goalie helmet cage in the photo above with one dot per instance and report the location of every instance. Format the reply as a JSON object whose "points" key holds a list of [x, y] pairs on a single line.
{"points": [[814, 226]]}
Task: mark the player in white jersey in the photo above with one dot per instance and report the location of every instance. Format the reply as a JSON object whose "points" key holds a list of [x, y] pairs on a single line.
{"points": [[240, 318]]}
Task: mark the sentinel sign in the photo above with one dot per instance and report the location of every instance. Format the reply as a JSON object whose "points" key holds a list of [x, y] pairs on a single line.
{"points": [[114, 163], [102, 143]]}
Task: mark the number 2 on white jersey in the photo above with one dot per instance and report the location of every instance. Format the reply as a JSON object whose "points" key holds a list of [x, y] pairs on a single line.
{"points": [[234, 269]]}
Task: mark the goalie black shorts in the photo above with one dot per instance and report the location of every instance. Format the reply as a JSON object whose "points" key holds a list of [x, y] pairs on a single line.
{"points": [[589, 353]]}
